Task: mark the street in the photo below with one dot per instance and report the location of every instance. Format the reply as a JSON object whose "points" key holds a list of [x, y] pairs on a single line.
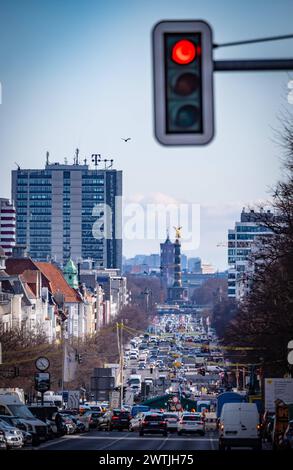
{"points": [[124, 440]]}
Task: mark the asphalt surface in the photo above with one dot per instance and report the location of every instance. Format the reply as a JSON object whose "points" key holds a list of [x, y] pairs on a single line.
{"points": [[124, 440]]}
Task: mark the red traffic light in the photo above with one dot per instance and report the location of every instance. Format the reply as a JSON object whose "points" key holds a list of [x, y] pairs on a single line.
{"points": [[183, 52]]}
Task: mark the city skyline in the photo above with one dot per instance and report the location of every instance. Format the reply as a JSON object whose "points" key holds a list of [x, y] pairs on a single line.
{"points": [[60, 101]]}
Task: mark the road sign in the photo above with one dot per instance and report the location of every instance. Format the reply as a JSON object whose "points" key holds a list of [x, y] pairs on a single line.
{"points": [[73, 398], [115, 399], [42, 381]]}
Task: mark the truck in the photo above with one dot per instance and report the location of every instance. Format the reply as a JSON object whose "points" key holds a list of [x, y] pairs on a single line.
{"points": [[12, 405], [202, 405], [134, 382], [228, 397]]}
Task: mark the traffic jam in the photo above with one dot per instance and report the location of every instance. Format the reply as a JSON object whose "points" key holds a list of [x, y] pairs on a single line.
{"points": [[175, 384]]}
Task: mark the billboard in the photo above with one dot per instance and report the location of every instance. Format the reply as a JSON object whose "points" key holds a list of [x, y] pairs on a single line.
{"points": [[278, 389]]}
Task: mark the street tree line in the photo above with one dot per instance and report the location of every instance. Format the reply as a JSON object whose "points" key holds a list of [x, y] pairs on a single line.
{"points": [[264, 318]]}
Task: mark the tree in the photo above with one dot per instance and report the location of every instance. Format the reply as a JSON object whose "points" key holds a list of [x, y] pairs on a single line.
{"points": [[265, 319], [210, 291]]}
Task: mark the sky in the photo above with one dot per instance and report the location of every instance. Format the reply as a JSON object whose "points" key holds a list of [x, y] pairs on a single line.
{"points": [[78, 73]]}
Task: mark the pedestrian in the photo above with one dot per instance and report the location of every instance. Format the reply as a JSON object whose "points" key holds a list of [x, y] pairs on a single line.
{"points": [[59, 423]]}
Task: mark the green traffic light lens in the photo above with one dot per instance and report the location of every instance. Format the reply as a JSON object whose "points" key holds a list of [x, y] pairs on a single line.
{"points": [[186, 116], [186, 84]]}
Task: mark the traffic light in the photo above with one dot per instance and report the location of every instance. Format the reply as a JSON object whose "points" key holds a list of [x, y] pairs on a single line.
{"points": [[183, 82], [79, 358]]}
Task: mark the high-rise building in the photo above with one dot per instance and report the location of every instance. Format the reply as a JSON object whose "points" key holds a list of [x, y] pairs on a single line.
{"points": [[69, 211], [7, 226], [241, 244]]}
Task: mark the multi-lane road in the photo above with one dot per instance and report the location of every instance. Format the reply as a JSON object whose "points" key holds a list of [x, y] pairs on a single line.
{"points": [[124, 440]]}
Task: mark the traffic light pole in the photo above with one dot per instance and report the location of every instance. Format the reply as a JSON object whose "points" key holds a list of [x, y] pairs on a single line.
{"points": [[255, 65]]}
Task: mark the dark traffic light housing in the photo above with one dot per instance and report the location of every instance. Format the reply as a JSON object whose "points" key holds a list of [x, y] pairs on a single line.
{"points": [[183, 82]]}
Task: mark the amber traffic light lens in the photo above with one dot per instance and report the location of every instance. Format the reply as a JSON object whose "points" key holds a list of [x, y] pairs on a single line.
{"points": [[186, 84]]}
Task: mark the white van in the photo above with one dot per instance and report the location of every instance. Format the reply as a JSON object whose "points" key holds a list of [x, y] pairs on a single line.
{"points": [[11, 405], [239, 426]]}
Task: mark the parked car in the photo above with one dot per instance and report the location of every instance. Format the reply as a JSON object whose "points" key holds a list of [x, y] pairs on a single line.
{"points": [[191, 423], [68, 423], [13, 436], [153, 423], [3, 445], [15, 422], [172, 421], [116, 419]]}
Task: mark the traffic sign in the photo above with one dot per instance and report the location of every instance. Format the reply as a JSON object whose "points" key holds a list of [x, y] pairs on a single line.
{"points": [[42, 381]]}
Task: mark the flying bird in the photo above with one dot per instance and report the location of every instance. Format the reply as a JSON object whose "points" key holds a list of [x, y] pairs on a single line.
{"points": [[125, 140]]}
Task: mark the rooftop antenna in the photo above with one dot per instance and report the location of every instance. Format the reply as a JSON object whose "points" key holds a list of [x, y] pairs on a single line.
{"points": [[85, 161], [47, 158], [76, 156], [96, 158], [18, 167], [106, 160]]}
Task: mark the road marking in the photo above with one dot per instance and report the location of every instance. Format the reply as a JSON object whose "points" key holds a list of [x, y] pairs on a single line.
{"points": [[129, 438], [111, 443], [163, 443]]}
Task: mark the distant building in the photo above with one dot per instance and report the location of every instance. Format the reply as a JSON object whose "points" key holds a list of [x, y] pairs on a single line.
{"points": [[207, 268], [183, 262], [241, 243], [167, 253], [113, 285], [7, 226], [194, 265], [61, 213]]}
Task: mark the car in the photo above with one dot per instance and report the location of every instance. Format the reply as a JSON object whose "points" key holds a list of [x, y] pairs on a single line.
{"points": [[116, 419], [93, 418], [191, 423], [210, 421], [134, 424], [172, 420], [15, 422], [153, 422], [69, 424], [13, 435], [3, 445]]}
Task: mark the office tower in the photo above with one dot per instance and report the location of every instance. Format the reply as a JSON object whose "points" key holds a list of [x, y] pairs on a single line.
{"points": [[69, 211]]}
